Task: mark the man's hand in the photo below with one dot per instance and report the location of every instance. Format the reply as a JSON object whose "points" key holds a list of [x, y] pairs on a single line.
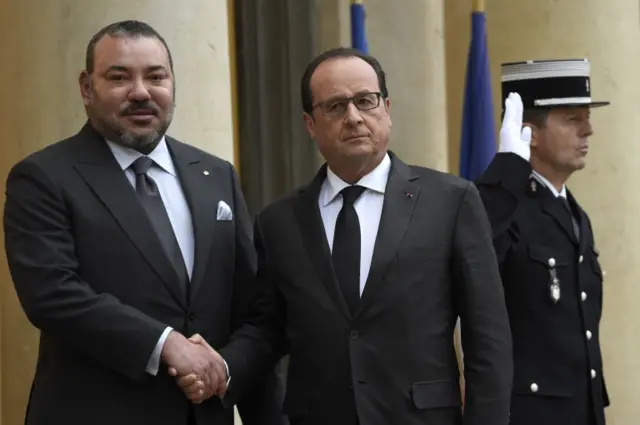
{"points": [[193, 385], [206, 368], [514, 138]]}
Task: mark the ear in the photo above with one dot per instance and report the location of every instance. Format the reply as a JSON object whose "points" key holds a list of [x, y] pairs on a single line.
{"points": [[310, 124], [85, 87], [535, 133], [387, 105]]}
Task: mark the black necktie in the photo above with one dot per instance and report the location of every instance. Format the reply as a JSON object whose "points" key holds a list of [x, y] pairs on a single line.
{"points": [[346, 247], [574, 222], [149, 196]]}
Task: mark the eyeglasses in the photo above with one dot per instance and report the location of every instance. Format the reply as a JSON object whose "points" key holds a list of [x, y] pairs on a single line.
{"points": [[338, 106]]}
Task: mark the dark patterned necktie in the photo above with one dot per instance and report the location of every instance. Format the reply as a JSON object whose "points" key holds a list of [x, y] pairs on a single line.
{"points": [[149, 196]]}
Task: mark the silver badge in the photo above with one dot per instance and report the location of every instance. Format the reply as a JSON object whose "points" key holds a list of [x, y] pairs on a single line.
{"points": [[554, 286], [554, 290]]}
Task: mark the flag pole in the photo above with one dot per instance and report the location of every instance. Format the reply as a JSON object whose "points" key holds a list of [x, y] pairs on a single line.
{"points": [[478, 5]]}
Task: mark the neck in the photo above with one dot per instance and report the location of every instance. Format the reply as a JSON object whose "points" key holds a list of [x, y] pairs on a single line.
{"points": [[352, 169], [556, 178]]}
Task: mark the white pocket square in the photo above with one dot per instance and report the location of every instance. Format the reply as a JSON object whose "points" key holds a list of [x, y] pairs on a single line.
{"points": [[224, 212]]}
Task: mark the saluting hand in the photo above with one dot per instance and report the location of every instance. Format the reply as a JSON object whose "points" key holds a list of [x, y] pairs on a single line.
{"points": [[514, 138]]}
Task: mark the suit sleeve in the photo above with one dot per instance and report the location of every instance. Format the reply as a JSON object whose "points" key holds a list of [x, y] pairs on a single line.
{"points": [[486, 334], [501, 188], [45, 269], [257, 344], [265, 392]]}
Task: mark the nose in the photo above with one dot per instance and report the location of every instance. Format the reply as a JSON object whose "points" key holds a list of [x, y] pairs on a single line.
{"points": [[352, 115], [588, 129], [139, 92]]}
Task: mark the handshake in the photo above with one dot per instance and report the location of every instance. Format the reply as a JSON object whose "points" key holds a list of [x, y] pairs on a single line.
{"points": [[199, 370]]}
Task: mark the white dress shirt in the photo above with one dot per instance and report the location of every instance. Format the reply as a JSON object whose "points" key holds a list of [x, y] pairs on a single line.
{"points": [[163, 172], [547, 183], [368, 207]]}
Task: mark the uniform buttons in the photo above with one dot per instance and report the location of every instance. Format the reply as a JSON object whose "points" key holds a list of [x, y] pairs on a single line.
{"points": [[583, 296], [588, 334], [580, 259], [354, 335], [534, 388], [593, 374], [552, 262]]}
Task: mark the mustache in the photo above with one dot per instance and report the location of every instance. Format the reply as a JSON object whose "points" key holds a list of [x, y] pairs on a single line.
{"points": [[133, 108]]}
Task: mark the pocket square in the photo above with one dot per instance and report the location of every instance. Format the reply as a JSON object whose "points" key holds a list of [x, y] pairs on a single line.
{"points": [[224, 212]]}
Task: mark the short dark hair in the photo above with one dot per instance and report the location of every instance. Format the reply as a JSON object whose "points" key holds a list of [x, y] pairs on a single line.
{"points": [[340, 52], [130, 28], [536, 116]]}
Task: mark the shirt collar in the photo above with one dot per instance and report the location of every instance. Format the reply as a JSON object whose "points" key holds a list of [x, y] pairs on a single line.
{"points": [[547, 183], [127, 156], [376, 181]]}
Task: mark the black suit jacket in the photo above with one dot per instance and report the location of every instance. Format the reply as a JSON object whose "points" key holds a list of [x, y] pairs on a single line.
{"points": [[394, 361], [558, 377], [90, 273]]}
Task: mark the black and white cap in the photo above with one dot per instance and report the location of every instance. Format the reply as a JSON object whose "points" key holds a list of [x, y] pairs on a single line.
{"points": [[549, 83]]}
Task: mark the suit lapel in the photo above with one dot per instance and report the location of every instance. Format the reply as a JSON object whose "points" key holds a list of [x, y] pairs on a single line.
{"points": [[99, 168], [202, 203], [315, 238], [400, 198]]}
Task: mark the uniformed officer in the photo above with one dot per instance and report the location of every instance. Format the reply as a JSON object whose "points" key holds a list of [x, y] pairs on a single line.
{"points": [[545, 244]]}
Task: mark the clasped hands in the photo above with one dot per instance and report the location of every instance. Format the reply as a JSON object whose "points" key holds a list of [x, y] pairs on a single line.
{"points": [[199, 370]]}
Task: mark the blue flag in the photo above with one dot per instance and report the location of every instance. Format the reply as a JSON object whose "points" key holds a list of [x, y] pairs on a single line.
{"points": [[358, 33], [478, 140]]}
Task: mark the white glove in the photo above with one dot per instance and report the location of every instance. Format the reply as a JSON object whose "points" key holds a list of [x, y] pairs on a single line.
{"points": [[514, 138]]}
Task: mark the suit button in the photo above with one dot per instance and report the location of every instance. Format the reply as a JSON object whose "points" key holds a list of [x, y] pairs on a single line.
{"points": [[583, 296], [593, 374], [534, 388], [354, 335], [588, 334], [192, 317]]}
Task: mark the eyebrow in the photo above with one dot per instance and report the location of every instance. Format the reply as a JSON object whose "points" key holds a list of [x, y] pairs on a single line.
{"points": [[341, 97], [120, 68]]}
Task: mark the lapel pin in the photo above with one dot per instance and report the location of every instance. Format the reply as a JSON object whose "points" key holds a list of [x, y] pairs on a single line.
{"points": [[533, 185], [205, 172], [409, 194]]}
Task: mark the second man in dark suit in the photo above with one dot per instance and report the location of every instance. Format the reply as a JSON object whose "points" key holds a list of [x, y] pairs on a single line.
{"points": [[368, 268]]}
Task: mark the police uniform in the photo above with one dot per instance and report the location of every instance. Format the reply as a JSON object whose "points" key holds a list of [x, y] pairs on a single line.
{"points": [[549, 265]]}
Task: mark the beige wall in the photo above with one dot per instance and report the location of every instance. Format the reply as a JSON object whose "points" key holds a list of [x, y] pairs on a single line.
{"points": [[42, 47]]}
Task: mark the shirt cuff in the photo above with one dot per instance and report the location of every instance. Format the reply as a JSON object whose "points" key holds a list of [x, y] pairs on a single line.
{"points": [[154, 361]]}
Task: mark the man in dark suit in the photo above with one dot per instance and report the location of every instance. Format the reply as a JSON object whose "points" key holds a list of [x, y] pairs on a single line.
{"points": [[545, 244], [367, 269], [122, 242]]}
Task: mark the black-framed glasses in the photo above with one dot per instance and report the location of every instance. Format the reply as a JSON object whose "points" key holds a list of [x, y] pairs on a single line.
{"points": [[336, 107]]}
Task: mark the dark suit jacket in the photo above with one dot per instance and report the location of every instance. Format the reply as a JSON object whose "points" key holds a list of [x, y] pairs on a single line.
{"points": [[556, 344], [394, 361], [92, 276]]}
